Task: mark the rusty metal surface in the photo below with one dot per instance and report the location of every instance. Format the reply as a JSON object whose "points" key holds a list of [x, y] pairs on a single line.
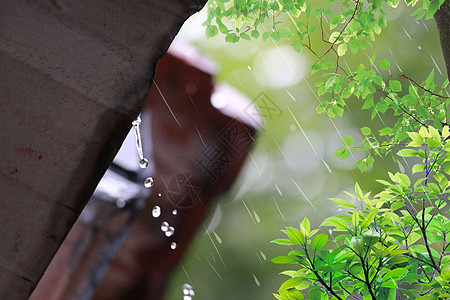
{"points": [[74, 74]]}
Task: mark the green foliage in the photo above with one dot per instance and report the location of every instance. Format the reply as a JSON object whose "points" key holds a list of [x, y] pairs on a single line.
{"points": [[393, 244], [353, 26]]}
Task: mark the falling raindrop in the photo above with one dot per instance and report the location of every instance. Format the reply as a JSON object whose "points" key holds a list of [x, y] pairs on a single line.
{"points": [[278, 190], [419, 47], [219, 100], [156, 211], [188, 292], [257, 218], [164, 226], [262, 255], [250, 68], [159, 195], [256, 280], [170, 231], [167, 229], [173, 246], [219, 240], [174, 212], [121, 203], [148, 183], [143, 163]]}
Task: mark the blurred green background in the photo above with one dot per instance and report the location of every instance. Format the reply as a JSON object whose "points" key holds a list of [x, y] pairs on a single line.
{"points": [[291, 171]]}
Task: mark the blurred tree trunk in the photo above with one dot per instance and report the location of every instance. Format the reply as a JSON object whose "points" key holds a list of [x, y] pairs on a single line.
{"points": [[74, 76], [442, 18]]}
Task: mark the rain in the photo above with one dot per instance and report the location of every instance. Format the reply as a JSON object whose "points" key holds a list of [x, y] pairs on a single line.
{"points": [[291, 170]]}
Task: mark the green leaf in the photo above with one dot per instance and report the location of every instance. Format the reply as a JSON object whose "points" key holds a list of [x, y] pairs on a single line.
{"points": [[285, 32], [418, 168], [393, 3], [346, 154], [255, 34], [298, 46], [314, 294], [339, 152], [305, 227], [232, 38], [223, 28], [390, 283], [408, 153], [284, 259], [295, 235], [291, 283], [371, 237], [430, 79], [395, 85], [369, 218], [342, 48], [348, 141], [283, 242], [308, 10], [355, 218], [366, 131], [245, 36], [353, 45], [343, 203], [396, 273], [276, 36], [319, 242], [417, 139], [336, 222], [358, 191], [331, 81], [432, 8], [211, 31], [385, 64], [403, 180]]}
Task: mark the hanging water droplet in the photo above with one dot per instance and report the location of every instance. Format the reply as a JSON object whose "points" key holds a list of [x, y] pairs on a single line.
{"points": [[156, 211], [137, 121], [174, 212], [164, 226], [137, 133], [187, 298], [170, 231], [419, 47], [143, 163], [173, 246], [159, 195], [148, 183], [250, 68]]}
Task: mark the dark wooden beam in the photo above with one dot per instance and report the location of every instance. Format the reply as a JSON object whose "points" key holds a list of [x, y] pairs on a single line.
{"points": [[74, 74]]}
